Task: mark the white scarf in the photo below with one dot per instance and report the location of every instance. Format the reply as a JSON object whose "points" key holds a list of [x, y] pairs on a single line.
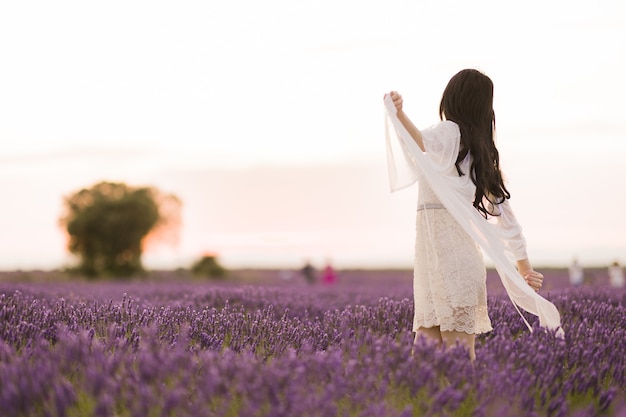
{"points": [[403, 164]]}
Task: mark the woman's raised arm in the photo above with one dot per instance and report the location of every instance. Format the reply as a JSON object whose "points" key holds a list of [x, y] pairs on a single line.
{"points": [[406, 122]]}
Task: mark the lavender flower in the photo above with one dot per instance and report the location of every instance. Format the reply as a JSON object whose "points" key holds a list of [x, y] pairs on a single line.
{"points": [[190, 349]]}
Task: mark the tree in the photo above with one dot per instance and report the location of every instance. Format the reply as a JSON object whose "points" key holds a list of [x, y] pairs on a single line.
{"points": [[208, 266], [108, 223]]}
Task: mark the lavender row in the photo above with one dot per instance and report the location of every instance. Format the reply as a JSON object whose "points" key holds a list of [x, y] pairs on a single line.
{"points": [[285, 351]]}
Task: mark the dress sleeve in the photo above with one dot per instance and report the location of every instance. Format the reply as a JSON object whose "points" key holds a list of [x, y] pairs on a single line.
{"points": [[511, 231], [441, 143]]}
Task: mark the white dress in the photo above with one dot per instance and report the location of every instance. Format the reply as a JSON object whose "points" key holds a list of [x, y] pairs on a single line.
{"points": [[449, 282], [499, 237]]}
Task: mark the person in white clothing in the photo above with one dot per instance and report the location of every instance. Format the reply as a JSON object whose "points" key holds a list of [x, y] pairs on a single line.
{"points": [[449, 272], [576, 273], [616, 275]]}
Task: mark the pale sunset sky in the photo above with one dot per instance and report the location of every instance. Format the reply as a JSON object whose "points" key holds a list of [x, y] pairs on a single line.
{"points": [[266, 119]]}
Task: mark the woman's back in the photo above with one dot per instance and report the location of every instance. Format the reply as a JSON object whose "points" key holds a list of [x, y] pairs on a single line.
{"points": [[441, 143]]}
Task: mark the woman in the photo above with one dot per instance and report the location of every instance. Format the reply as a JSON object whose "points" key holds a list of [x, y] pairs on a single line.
{"points": [[449, 272]]}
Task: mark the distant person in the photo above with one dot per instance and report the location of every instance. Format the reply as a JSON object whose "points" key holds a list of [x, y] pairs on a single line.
{"points": [[308, 272], [576, 273], [616, 275], [286, 275], [328, 275], [456, 164]]}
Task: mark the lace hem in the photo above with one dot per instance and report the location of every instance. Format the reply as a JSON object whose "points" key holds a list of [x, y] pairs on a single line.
{"points": [[471, 320]]}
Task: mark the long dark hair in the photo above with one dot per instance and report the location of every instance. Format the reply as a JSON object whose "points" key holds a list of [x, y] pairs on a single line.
{"points": [[468, 101]]}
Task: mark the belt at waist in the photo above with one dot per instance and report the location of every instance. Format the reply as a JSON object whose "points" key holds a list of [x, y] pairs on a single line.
{"points": [[430, 206]]}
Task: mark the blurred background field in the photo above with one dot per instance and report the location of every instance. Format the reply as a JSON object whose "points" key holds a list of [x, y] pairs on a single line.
{"points": [[554, 278]]}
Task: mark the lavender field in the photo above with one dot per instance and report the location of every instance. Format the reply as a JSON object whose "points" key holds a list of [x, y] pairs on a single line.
{"points": [[283, 348]]}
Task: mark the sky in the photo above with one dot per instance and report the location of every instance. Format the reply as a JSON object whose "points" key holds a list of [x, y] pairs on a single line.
{"points": [[266, 120]]}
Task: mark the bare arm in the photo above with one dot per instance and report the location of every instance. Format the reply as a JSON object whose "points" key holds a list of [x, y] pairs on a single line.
{"points": [[406, 122]]}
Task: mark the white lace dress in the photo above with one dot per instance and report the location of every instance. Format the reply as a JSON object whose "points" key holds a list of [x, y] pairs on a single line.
{"points": [[449, 276], [449, 272]]}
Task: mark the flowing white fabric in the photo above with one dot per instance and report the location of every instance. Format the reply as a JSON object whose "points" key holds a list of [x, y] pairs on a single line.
{"points": [[405, 158]]}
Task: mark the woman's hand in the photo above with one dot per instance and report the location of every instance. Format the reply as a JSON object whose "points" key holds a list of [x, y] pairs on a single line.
{"points": [[397, 100], [534, 279], [406, 122]]}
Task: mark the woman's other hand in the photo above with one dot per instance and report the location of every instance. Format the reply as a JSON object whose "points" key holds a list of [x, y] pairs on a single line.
{"points": [[534, 279]]}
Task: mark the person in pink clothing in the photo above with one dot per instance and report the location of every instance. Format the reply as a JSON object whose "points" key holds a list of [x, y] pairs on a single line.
{"points": [[328, 275]]}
